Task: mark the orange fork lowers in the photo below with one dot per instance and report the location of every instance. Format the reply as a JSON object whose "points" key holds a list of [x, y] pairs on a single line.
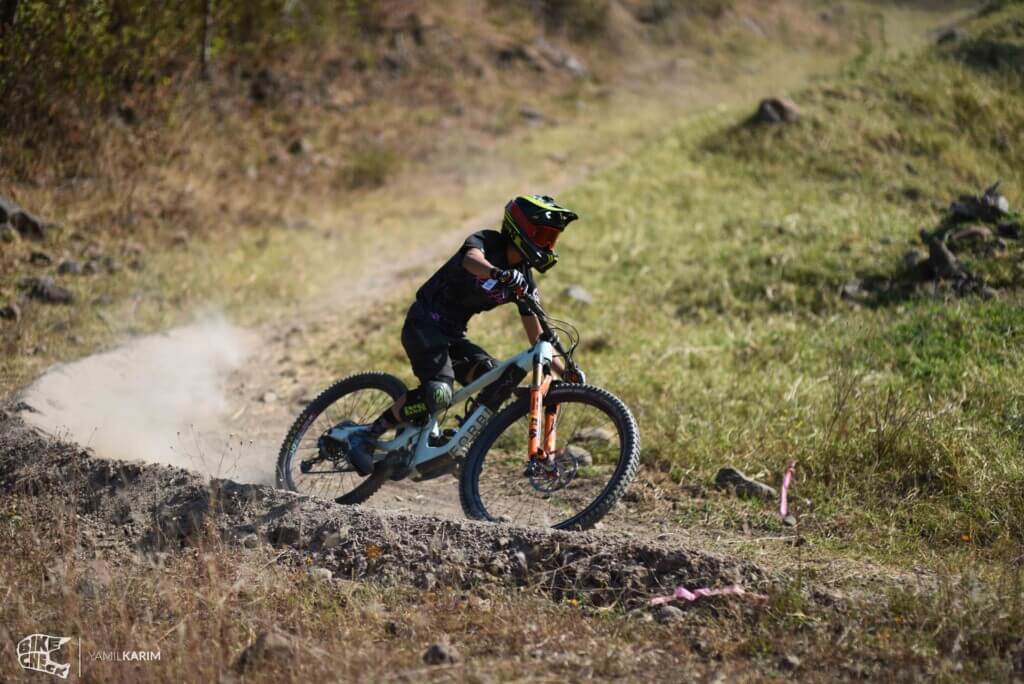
{"points": [[537, 393]]}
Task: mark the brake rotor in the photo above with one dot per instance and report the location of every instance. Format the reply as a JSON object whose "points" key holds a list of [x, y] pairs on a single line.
{"points": [[552, 475]]}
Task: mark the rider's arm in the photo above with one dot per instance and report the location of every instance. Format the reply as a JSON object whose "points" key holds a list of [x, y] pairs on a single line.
{"points": [[533, 330], [476, 263]]}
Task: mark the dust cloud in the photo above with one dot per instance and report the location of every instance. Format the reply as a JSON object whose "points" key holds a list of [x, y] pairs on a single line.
{"points": [[160, 399]]}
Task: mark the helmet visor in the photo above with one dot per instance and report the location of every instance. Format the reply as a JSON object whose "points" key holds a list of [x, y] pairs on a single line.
{"points": [[545, 237]]}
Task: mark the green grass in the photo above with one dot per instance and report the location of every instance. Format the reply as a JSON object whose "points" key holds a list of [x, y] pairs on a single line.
{"points": [[716, 256]]}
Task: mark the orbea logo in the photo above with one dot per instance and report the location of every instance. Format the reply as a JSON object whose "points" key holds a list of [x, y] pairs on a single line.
{"points": [[35, 653]]}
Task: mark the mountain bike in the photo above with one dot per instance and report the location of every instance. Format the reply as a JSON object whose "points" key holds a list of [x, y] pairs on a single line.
{"points": [[552, 453]]}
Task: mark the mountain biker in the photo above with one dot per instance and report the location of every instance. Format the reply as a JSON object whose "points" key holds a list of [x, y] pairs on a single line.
{"points": [[489, 269]]}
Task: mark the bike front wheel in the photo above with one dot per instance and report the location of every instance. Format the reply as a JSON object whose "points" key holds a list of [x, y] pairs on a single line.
{"points": [[597, 454]]}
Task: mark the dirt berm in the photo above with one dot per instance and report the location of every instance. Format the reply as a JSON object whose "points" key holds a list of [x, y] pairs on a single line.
{"points": [[139, 508]]}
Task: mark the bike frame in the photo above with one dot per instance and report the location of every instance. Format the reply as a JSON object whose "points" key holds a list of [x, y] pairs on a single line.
{"points": [[417, 438]]}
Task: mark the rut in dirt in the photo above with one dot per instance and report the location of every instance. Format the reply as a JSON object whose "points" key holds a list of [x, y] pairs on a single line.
{"points": [[147, 508]]}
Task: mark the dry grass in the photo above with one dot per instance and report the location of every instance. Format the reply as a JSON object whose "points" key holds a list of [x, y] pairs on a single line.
{"points": [[203, 605]]}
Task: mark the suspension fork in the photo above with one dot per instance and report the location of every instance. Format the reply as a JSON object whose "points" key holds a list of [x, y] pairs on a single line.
{"points": [[539, 450]]}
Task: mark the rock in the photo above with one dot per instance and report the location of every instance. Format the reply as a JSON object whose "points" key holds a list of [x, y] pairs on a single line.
{"points": [[854, 291], [561, 58], [518, 52], [40, 259], [987, 292], [69, 266], [426, 582], [952, 35], [731, 478], [272, 647], [126, 113], [989, 206], [286, 535], [775, 110], [10, 312], [440, 654], [520, 564], [8, 234], [912, 259], [250, 541], [582, 456], [1010, 231], [789, 662], [667, 615], [44, 289], [942, 262], [323, 574], [789, 521], [578, 294], [972, 233], [28, 226], [269, 398], [593, 434], [25, 224], [331, 541], [263, 87], [532, 115]]}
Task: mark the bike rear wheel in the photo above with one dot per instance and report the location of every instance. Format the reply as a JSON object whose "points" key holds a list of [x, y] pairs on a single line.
{"points": [[598, 451], [358, 398]]}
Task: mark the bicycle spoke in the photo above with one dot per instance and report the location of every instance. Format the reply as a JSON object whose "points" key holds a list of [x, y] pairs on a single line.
{"points": [[327, 478], [595, 448]]}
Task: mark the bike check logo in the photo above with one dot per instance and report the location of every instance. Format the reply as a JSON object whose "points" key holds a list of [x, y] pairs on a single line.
{"points": [[35, 652]]}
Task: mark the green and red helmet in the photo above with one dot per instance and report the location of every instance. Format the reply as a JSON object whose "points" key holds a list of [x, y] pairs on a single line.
{"points": [[533, 224]]}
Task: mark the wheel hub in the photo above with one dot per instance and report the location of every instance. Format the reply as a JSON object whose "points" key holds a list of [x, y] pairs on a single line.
{"points": [[554, 474]]}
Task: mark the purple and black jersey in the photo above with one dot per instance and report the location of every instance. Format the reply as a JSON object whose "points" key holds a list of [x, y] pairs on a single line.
{"points": [[453, 295]]}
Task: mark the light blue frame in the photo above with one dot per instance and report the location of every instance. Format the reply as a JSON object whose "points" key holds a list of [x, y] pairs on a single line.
{"points": [[471, 427]]}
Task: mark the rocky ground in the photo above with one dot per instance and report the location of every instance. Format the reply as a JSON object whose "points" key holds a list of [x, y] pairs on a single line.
{"points": [[133, 508]]}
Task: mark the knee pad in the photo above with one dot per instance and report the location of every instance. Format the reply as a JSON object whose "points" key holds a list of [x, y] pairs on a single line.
{"points": [[438, 395], [426, 400]]}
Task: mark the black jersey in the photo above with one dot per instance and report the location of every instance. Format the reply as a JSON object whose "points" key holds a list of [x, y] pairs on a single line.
{"points": [[453, 295]]}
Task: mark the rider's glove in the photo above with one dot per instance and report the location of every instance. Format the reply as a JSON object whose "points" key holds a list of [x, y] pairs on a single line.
{"points": [[575, 375], [510, 277]]}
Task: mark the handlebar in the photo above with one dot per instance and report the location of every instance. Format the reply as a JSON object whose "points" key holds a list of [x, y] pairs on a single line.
{"points": [[547, 334]]}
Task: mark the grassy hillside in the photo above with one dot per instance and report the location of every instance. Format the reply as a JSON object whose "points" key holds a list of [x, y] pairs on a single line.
{"points": [[728, 249], [717, 258], [143, 168]]}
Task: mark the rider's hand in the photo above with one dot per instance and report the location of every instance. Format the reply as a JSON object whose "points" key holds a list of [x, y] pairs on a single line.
{"points": [[575, 375], [510, 277]]}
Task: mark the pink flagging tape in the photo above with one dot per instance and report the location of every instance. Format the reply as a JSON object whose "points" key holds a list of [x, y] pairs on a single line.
{"points": [[787, 479], [684, 594]]}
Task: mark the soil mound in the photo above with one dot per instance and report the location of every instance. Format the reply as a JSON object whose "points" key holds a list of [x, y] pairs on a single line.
{"points": [[152, 508]]}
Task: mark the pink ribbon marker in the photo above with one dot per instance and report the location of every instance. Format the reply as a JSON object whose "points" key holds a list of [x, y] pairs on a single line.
{"points": [[684, 594], [787, 478]]}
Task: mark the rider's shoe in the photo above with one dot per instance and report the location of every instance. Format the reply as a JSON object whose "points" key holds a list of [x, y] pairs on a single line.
{"points": [[361, 445]]}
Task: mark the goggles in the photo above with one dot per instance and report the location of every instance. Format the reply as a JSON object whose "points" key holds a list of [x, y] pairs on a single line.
{"points": [[544, 237]]}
